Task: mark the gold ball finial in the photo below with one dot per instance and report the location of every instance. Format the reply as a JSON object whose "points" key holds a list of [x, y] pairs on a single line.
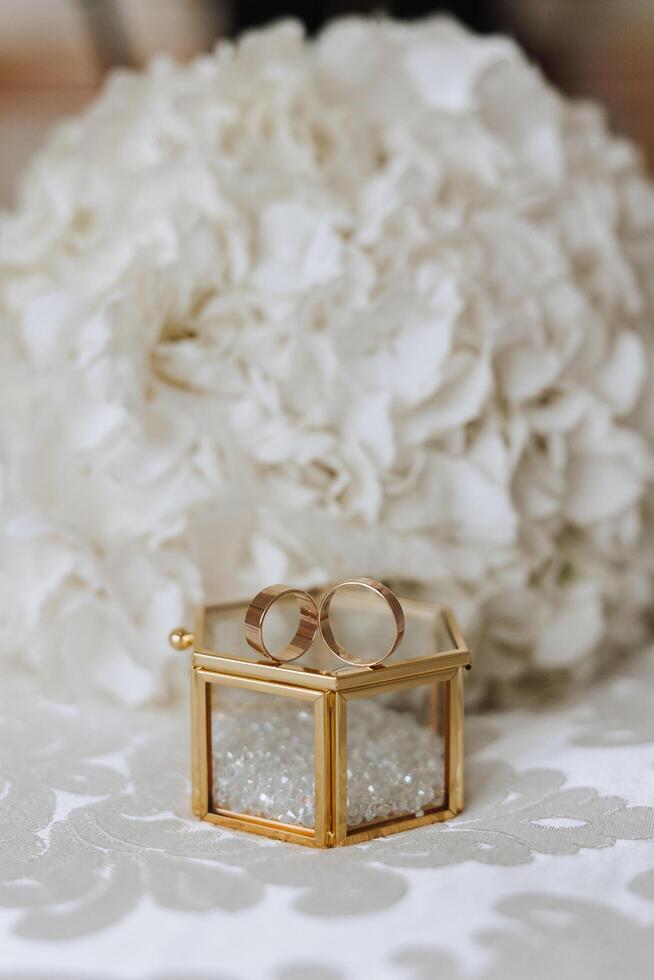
{"points": [[180, 638]]}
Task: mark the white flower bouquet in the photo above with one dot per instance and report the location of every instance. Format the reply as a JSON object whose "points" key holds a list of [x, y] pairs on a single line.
{"points": [[378, 303]]}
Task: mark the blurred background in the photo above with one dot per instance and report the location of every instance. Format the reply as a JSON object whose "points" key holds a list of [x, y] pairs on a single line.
{"points": [[54, 53]]}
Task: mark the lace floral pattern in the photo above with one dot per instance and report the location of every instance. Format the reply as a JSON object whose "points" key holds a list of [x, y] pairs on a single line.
{"points": [[95, 828]]}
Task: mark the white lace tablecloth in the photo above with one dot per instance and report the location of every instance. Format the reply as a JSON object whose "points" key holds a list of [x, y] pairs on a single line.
{"points": [[548, 873]]}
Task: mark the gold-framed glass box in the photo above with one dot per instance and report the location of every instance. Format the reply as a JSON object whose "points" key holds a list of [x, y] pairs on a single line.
{"points": [[320, 752]]}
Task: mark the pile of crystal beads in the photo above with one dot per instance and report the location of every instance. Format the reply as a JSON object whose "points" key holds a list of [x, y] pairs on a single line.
{"points": [[263, 759], [394, 764]]}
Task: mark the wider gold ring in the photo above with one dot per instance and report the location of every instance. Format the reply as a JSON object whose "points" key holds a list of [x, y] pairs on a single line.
{"points": [[305, 633], [384, 593]]}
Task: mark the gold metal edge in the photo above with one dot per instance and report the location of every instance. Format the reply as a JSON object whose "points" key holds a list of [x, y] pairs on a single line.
{"points": [[422, 668], [397, 826], [455, 756], [263, 829], [412, 680], [341, 681], [199, 746], [246, 818], [275, 673], [322, 770], [308, 839], [259, 686], [455, 630], [340, 769], [331, 698]]}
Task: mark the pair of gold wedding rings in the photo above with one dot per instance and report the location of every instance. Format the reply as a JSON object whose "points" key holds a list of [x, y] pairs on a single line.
{"points": [[314, 619]]}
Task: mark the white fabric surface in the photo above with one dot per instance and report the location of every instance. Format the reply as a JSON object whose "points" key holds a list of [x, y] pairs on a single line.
{"points": [[549, 872]]}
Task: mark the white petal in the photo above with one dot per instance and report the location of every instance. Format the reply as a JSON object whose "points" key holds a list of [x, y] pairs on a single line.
{"points": [[571, 630], [524, 373], [299, 248], [445, 71], [599, 488], [459, 399], [621, 378]]}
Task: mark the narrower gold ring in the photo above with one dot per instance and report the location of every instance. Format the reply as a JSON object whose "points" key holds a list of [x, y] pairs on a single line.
{"points": [[383, 592], [258, 610]]}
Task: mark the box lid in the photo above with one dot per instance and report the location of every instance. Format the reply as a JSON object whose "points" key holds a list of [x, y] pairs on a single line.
{"points": [[432, 643]]}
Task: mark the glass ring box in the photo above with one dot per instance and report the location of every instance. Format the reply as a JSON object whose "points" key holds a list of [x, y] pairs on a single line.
{"points": [[320, 752]]}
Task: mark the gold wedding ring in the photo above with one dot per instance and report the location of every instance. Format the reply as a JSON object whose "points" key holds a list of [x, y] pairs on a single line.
{"points": [[378, 588], [258, 610]]}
